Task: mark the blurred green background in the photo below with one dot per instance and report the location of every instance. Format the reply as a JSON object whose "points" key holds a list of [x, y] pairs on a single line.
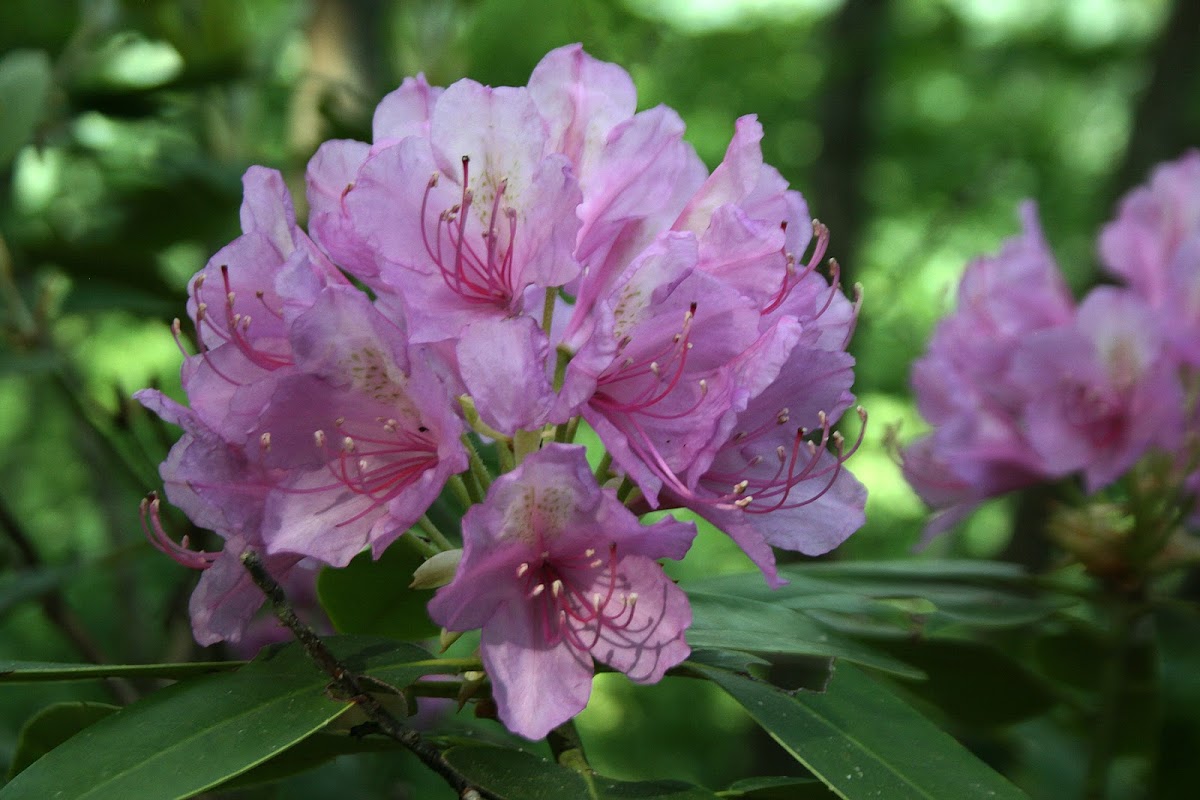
{"points": [[913, 128]]}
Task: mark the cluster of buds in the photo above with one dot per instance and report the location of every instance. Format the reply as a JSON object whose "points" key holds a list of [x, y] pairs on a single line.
{"points": [[1024, 386], [501, 265]]}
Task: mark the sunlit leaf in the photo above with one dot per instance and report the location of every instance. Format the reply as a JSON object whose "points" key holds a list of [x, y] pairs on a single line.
{"points": [[864, 742], [732, 623], [778, 789], [515, 774], [52, 726], [39, 671], [372, 597], [199, 733]]}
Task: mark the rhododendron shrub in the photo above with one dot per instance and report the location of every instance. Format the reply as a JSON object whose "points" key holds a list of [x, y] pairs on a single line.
{"points": [[1022, 386], [497, 269]]}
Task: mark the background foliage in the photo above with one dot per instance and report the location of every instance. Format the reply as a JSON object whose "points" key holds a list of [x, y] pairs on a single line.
{"points": [[913, 127]]}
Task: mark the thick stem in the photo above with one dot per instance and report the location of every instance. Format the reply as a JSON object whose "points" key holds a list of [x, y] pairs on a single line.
{"points": [[567, 748], [351, 685], [435, 535], [1126, 614]]}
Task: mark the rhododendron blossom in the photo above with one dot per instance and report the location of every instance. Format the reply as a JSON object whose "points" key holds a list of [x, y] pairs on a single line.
{"points": [[556, 571], [1022, 387], [535, 259]]}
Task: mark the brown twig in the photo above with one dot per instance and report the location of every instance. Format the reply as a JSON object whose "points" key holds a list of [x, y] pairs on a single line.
{"points": [[350, 685]]}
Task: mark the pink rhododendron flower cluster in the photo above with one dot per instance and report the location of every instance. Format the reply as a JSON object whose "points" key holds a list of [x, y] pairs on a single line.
{"points": [[1023, 386], [535, 258]]}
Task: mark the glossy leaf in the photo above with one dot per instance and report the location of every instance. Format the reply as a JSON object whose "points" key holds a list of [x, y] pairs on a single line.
{"points": [[733, 623], [317, 749], [864, 742], [779, 789], [52, 726], [42, 671], [515, 774], [200, 733], [372, 598], [609, 789]]}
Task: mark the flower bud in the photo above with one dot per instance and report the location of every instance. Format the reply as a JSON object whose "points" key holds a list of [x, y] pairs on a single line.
{"points": [[437, 571]]}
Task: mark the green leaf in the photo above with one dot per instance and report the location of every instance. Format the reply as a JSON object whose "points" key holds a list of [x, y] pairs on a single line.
{"points": [[372, 597], [197, 734], [515, 774], [40, 671], [778, 789], [898, 599], [52, 726], [25, 78], [609, 789], [308, 754], [734, 623], [864, 742]]}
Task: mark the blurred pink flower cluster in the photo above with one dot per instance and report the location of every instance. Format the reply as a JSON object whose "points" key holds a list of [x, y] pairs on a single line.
{"points": [[1022, 385], [531, 257]]}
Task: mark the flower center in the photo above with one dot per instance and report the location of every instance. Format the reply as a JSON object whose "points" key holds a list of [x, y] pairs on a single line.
{"points": [[558, 586], [759, 483]]}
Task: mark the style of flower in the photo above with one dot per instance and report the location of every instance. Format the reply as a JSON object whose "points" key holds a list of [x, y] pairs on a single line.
{"points": [[557, 572]]}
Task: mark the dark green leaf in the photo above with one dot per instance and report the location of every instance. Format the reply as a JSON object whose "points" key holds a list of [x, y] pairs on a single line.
{"points": [[734, 660], [864, 742], [197, 734], [52, 726], [779, 789], [974, 683], [733, 623], [38, 671], [25, 78], [372, 597], [515, 774], [312, 752], [609, 789]]}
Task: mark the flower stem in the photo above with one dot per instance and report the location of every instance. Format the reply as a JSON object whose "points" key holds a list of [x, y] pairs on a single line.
{"points": [[352, 685], [479, 470], [604, 469], [435, 535], [567, 748], [548, 308], [461, 493], [565, 433], [1126, 614]]}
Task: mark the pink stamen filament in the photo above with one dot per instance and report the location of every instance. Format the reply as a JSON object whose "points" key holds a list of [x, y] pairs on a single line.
{"points": [[672, 357], [479, 279], [750, 490], [179, 552], [565, 612], [790, 276], [378, 473], [235, 331]]}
